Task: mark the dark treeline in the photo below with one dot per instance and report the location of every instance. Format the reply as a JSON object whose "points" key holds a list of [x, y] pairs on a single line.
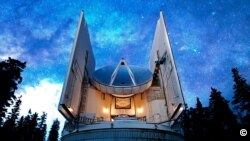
{"points": [[31, 127], [218, 121]]}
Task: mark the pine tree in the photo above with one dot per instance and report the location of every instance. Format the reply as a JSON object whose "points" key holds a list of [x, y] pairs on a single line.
{"points": [[33, 126], [41, 128], [20, 129], [9, 126], [187, 124], [199, 106], [195, 123], [53, 134], [223, 122], [10, 74], [25, 130], [241, 98], [29, 127], [20, 122], [200, 121]]}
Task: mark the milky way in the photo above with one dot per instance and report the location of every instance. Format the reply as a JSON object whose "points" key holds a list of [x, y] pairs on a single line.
{"points": [[208, 38]]}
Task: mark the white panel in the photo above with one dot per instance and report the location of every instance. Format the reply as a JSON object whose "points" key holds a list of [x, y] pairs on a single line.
{"points": [[118, 90], [143, 87], [127, 90], [149, 84], [161, 44], [81, 54], [102, 88], [135, 89]]}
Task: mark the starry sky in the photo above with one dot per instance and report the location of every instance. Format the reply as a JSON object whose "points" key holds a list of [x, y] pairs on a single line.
{"points": [[208, 38]]}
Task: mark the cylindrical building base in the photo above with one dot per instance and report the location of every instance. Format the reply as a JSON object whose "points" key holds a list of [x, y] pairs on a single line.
{"points": [[123, 135]]}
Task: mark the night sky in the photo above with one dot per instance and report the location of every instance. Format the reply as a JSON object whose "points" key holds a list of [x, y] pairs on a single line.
{"points": [[208, 38]]}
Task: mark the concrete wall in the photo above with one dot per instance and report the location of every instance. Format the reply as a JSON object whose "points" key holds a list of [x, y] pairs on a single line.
{"points": [[140, 105], [157, 110], [98, 103], [150, 104]]}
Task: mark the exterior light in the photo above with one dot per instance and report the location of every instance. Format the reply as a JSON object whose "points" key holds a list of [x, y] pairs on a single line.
{"points": [[140, 110], [105, 110], [70, 109], [181, 109]]}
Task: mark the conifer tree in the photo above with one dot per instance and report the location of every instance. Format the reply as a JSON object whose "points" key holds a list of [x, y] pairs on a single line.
{"points": [[222, 122], [9, 126], [41, 128], [29, 125], [10, 74], [186, 124], [33, 126], [199, 119], [20, 129], [195, 123], [241, 98], [25, 127], [53, 133]]}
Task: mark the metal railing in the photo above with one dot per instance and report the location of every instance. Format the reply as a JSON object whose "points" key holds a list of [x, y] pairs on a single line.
{"points": [[74, 124]]}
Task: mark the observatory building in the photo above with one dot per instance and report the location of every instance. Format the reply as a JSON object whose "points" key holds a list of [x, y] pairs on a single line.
{"points": [[122, 101]]}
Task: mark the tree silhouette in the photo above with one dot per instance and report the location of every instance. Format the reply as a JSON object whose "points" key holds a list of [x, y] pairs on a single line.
{"points": [[9, 126], [10, 74], [196, 122], [42, 126], [218, 120], [222, 122], [20, 129], [188, 134], [53, 134], [200, 115], [241, 98], [28, 128], [31, 127]]}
